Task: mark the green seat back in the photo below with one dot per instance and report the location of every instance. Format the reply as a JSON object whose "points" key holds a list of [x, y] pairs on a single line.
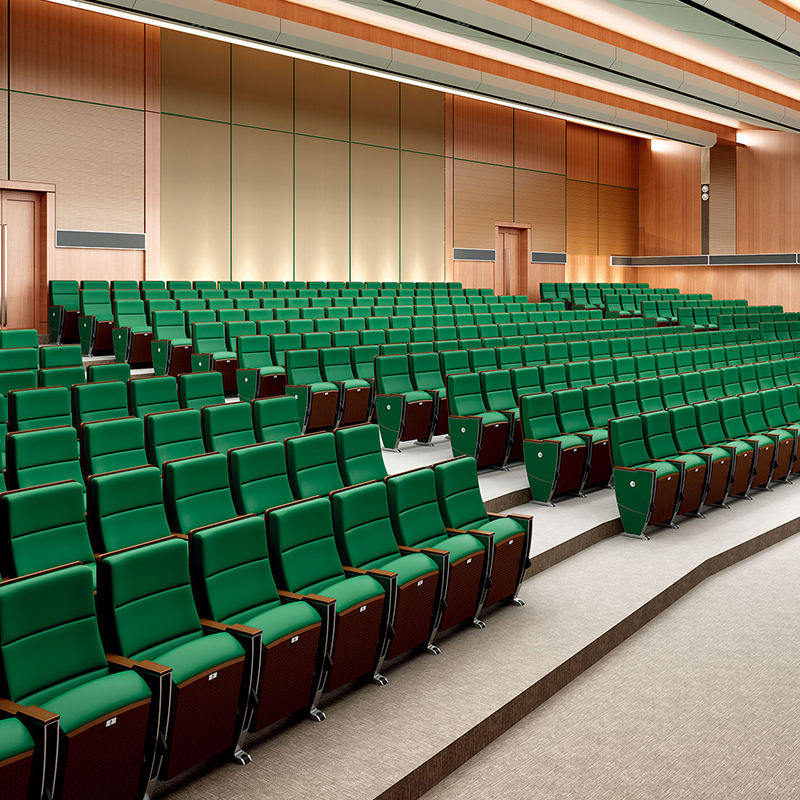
{"points": [[571, 411], [538, 416], [496, 389], [209, 337], [312, 465], [335, 364], [362, 357], [197, 492], [414, 508], [598, 404], [146, 395], [198, 389], [98, 373], [29, 409], [112, 444], [20, 337], [34, 458], [275, 418], [392, 375], [358, 454], [97, 401], [173, 434], [459, 497], [464, 394], [258, 477], [227, 425], [425, 372], [628, 448], [60, 355]]}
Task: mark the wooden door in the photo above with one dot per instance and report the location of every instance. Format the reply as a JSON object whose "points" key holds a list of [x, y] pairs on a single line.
{"points": [[510, 261], [21, 258]]}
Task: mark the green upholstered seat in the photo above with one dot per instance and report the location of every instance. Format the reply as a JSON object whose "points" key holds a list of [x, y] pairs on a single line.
{"points": [[34, 458], [209, 337], [126, 508], [98, 401], [198, 389], [29, 409], [43, 527], [275, 418], [197, 492], [173, 434], [358, 452], [146, 395], [112, 444], [227, 425], [312, 465], [258, 477]]}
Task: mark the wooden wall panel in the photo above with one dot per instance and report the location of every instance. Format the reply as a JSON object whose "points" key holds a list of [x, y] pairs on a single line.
{"points": [[581, 152], [539, 142], [262, 87], [768, 192], [65, 52], [195, 203], [482, 197], [375, 214], [261, 209], [617, 159], [94, 154], [195, 76], [4, 44], [374, 110], [722, 199], [322, 240], [321, 97], [543, 273], [421, 120], [482, 131], [581, 218], [77, 264], [617, 221], [540, 201], [669, 199], [3, 134], [422, 224], [761, 285], [474, 274]]}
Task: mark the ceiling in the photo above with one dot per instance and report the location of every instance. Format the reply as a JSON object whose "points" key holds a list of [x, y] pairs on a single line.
{"points": [[693, 70]]}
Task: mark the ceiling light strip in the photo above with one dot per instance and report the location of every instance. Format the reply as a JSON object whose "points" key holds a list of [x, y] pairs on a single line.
{"points": [[244, 41]]}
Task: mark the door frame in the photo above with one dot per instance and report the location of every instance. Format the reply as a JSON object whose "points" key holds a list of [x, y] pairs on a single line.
{"points": [[524, 230], [47, 239]]}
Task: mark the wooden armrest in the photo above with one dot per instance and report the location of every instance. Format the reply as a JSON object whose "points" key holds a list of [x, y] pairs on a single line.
{"points": [[289, 595], [8, 708], [319, 598], [382, 573], [404, 549], [234, 628], [435, 551], [129, 663], [353, 571]]}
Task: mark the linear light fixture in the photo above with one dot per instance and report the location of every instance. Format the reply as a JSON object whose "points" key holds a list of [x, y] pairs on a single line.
{"points": [[243, 41]]}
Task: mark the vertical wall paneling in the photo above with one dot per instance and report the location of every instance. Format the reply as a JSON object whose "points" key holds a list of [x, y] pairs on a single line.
{"points": [[617, 159], [482, 197], [422, 217], [374, 111], [617, 220], [261, 89], [540, 201], [152, 151], [482, 132], [581, 218], [722, 199], [321, 100], [422, 114], [581, 147], [539, 142]]}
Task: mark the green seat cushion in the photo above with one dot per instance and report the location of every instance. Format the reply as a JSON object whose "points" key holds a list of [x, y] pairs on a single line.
{"points": [[782, 434], [490, 417], [140, 328], [408, 568], [567, 440], [181, 341], [661, 468], [14, 739], [98, 698], [355, 383], [762, 439], [413, 397], [198, 655], [323, 386], [716, 453], [220, 354], [272, 370], [597, 434], [740, 446], [503, 528], [349, 592], [280, 621], [459, 546], [689, 460]]}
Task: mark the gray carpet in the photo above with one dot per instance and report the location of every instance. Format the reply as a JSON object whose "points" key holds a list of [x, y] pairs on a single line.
{"points": [[702, 703]]}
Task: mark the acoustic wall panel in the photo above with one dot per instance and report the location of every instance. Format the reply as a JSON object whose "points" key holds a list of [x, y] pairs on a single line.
{"points": [[482, 196], [581, 152], [94, 154], [422, 245], [261, 204], [64, 52], [322, 242], [375, 213], [618, 220], [722, 199], [539, 142], [421, 120], [195, 76], [195, 202], [617, 159], [321, 100], [482, 131], [581, 218], [374, 110], [262, 89], [540, 201], [3, 134]]}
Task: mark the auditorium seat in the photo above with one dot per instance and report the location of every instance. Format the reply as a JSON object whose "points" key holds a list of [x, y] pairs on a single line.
{"points": [[63, 311], [312, 465], [171, 348], [474, 429], [418, 523], [336, 367], [125, 508], [43, 527], [462, 508], [258, 477], [197, 492], [18, 770], [731, 411], [112, 444], [499, 397], [147, 395], [404, 414], [233, 585], [227, 425], [358, 453], [410, 579], [98, 401], [275, 418], [34, 458], [144, 597], [305, 561], [198, 389], [98, 373], [783, 441], [211, 353], [171, 435], [319, 402], [132, 334], [96, 321], [29, 409], [53, 658], [258, 374]]}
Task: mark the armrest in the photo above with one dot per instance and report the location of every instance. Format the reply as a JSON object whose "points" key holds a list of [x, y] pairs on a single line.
{"points": [[289, 597], [32, 714], [352, 572], [142, 667], [408, 550], [237, 629]]}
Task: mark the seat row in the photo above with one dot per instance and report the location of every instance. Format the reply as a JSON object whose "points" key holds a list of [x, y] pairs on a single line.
{"points": [[230, 620], [675, 461], [566, 415]]}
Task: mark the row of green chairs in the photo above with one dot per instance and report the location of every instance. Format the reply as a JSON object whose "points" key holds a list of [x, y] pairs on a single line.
{"points": [[665, 461]]}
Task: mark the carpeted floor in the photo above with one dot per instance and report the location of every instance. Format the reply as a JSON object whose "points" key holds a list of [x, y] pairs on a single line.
{"points": [[702, 703]]}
